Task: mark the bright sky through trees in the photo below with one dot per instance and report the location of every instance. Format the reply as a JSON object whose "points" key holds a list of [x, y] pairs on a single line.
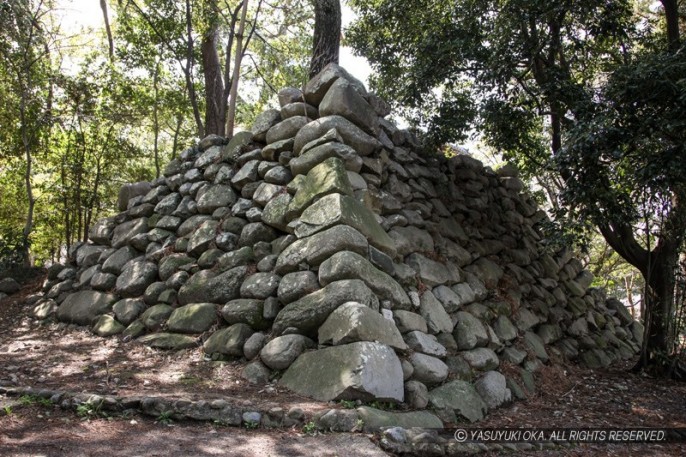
{"points": [[77, 15]]}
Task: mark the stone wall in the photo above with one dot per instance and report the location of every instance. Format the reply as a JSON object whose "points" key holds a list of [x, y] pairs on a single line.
{"points": [[323, 245]]}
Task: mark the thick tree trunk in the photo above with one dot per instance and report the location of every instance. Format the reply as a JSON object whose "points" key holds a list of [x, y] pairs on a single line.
{"points": [[327, 34], [658, 268], [659, 297], [215, 111], [672, 19]]}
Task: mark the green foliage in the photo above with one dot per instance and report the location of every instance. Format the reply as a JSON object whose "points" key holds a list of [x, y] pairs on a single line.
{"points": [[583, 80], [91, 123], [348, 404], [587, 97], [385, 405], [165, 418], [359, 425], [634, 147], [154, 33], [11, 251], [251, 425], [611, 272], [31, 400], [90, 410], [310, 428], [499, 66]]}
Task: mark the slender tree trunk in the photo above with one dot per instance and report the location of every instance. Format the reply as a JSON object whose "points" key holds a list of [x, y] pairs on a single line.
{"points": [[629, 287], [228, 84], [155, 119], [231, 114], [108, 29], [28, 226], [188, 68], [93, 201], [327, 34], [65, 200], [556, 126], [177, 130], [78, 200]]}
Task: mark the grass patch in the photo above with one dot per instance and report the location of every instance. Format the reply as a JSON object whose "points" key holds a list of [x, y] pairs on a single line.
{"points": [[31, 400]]}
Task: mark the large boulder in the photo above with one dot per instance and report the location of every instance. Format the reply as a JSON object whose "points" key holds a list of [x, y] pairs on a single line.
{"points": [[338, 209], [280, 352], [357, 371], [326, 178], [247, 311], [376, 419], [459, 400], [85, 306], [312, 157], [317, 87], [352, 135], [115, 263], [431, 272], [172, 341], [193, 318], [131, 190], [9, 286], [350, 265], [437, 319], [469, 331], [123, 233], [101, 231], [320, 246], [309, 313], [343, 99], [492, 387], [135, 278], [428, 369], [353, 322], [207, 286], [228, 341]]}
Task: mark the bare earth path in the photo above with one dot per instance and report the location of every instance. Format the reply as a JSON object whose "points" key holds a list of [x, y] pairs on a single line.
{"points": [[55, 356]]}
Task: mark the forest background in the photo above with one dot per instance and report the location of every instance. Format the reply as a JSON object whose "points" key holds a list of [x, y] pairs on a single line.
{"points": [[587, 98]]}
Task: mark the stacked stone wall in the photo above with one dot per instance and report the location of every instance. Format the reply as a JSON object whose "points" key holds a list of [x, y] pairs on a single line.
{"points": [[326, 247]]}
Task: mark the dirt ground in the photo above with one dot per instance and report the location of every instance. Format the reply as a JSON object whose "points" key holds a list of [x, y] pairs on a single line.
{"points": [[60, 357]]}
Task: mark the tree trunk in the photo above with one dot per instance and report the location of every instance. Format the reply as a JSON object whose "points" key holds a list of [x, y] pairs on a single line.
{"points": [[659, 297], [108, 29], [155, 119], [187, 71], [177, 129], [28, 227], [231, 115], [215, 111], [327, 34], [65, 201], [672, 18]]}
